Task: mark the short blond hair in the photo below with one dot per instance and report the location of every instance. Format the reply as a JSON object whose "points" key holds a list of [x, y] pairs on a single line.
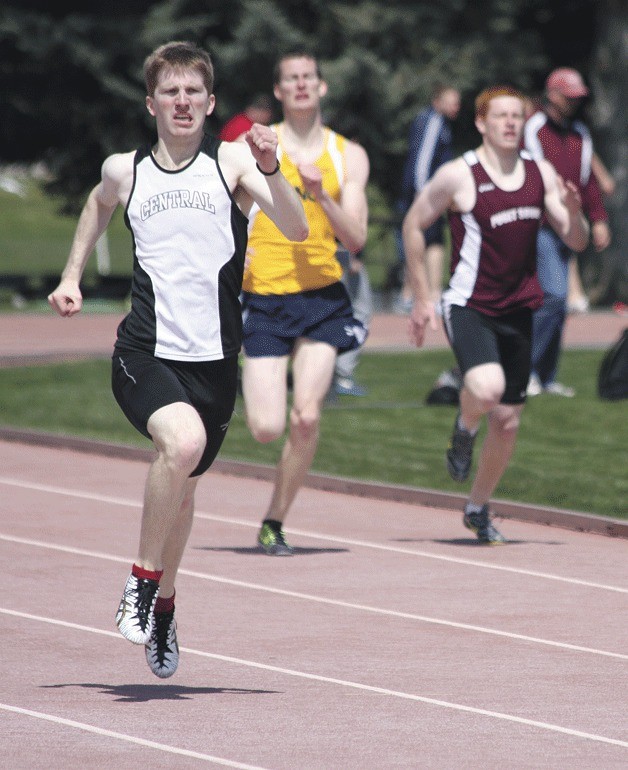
{"points": [[178, 54]]}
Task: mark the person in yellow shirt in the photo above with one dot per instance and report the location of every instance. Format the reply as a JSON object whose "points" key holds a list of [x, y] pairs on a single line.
{"points": [[295, 308]]}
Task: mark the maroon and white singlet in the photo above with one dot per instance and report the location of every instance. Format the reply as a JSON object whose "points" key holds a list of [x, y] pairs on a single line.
{"points": [[493, 257]]}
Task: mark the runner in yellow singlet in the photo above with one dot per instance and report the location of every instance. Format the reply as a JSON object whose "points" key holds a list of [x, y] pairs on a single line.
{"points": [[295, 306], [287, 267]]}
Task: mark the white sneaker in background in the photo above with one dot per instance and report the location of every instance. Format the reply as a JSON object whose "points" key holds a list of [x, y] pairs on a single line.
{"points": [[534, 386], [558, 389], [580, 305]]}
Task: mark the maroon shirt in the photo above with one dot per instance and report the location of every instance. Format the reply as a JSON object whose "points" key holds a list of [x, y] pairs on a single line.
{"points": [[493, 257], [569, 149]]}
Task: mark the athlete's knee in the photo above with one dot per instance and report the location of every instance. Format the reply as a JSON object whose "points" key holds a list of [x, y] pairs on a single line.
{"points": [[184, 449], [486, 386], [486, 395], [304, 423], [265, 428], [506, 419]]}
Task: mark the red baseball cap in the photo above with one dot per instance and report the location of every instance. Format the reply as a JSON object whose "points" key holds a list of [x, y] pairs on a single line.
{"points": [[568, 82]]}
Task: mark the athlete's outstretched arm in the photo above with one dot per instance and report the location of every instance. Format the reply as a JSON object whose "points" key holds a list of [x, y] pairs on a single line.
{"points": [[67, 299], [433, 200]]}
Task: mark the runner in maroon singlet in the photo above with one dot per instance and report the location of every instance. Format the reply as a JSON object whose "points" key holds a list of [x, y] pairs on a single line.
{"points": [[495, 197]]}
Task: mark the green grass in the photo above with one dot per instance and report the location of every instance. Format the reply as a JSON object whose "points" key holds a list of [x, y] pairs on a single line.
{"points": [[35, 239], [571, 453]]}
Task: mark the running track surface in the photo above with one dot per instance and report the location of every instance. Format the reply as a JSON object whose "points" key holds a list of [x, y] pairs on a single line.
{"points": [[392, 639], [43, 337]]}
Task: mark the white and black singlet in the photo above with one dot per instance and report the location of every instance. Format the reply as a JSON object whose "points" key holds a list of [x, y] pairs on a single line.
{"points": [[189, 244]]}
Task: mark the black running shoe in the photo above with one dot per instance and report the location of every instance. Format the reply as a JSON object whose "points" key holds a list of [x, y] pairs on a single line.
{"points": [[162, 650], [481, 524], [272, 541], [460, 453], [135, 613]]}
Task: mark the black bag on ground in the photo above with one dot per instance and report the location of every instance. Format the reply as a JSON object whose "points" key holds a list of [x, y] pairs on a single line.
{"points": [[612, 381], [446, 390]]}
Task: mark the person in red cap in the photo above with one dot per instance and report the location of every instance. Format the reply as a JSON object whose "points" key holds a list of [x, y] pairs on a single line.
{"points": [[567, 82], [554, 133]]}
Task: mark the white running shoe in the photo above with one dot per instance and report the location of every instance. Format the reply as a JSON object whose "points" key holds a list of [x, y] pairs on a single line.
{"points": [[134, 617], [162, 649]]}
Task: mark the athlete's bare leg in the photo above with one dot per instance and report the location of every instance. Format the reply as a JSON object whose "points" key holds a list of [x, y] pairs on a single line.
{"points": [[481, 392], [264, 385], [177, 539], [497, 449], [312, 368], [179, 437]]}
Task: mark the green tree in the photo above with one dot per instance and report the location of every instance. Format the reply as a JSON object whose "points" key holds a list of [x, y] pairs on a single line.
{"points": [[75, 77], [606, 274], [72, 90]]}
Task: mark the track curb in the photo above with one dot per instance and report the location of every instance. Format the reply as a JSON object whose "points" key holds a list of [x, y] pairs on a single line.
{"points": [[432, 498]]}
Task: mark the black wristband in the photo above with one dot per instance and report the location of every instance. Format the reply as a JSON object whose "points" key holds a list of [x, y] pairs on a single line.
{"points": [[268, 173]]}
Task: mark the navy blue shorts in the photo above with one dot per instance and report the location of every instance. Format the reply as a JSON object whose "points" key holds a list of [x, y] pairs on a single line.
{"points": [[506, 340], [273, 323], [142, 384]]}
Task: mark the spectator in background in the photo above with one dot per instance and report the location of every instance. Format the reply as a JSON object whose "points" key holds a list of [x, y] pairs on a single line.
{"points": [[260, 110], [356, 280], [554, 134], [429, 146], [577, 300]]}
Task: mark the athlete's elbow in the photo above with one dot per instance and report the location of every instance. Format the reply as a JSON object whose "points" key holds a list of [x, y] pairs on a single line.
{"points": [[301, 232], [358, 245], [579, 244], [355, 243], [579, 240], [296, 230]]}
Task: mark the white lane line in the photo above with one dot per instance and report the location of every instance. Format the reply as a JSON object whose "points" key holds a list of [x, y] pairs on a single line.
{"points": [[322, 599], [346, 683], [112, 500], [127, 738]]}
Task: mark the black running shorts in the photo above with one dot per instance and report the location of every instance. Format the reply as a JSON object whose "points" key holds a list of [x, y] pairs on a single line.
{"points": [[506, 340], [142, 384]]}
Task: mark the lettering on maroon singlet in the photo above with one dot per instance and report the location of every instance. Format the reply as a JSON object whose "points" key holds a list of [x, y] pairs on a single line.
{"points": [[512, 215]]}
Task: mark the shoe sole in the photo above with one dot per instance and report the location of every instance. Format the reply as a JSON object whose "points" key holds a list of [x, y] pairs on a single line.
{"points": [[162, 675], [272, 551]]}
